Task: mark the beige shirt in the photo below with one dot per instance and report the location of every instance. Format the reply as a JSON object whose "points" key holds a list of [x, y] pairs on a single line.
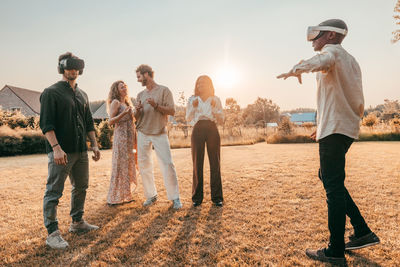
{"points": [[340, 99], [150, 121], [204, 110]]}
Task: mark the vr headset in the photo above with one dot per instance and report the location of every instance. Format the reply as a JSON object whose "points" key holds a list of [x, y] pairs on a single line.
{"points": [[71, 64], [313, 32]]}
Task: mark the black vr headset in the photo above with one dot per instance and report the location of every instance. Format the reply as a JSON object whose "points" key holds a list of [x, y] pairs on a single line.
{"points": [[71, 64]]}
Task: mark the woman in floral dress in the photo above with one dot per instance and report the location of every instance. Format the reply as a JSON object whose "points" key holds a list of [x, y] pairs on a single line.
{"points": [[123, 173]]}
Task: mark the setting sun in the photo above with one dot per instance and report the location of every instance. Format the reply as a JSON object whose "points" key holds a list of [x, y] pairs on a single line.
{"points": [[227, 77]]}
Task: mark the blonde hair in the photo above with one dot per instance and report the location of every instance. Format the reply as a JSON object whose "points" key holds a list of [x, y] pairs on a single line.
{"points": [[114, 94]]}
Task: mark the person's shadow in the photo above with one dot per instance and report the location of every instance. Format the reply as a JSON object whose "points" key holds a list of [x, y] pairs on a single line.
{"points": [[95, 240], [211, 246], [359, 260], [180, 246]]}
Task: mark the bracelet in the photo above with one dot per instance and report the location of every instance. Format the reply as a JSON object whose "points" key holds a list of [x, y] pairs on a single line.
{"points": [[53, 146]]}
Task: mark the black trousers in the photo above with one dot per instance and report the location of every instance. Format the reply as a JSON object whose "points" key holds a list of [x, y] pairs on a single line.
{"points": [[206, 132], [332, 152]]}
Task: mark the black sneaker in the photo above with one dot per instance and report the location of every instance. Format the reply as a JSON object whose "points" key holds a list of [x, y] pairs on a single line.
{"points": [[218, 204], [319, 255], [362, 242], [196, 204]]}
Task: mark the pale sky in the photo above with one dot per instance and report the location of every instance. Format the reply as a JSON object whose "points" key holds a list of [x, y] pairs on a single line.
{"points": [[253, 40]]}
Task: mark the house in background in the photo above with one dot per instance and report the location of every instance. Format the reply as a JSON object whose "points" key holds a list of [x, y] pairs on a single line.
{"points": [[19, 99], [300, 118], [100, 113]]}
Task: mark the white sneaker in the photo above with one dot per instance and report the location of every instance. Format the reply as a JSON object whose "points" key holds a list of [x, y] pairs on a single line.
{"points": [[176, 204], [81, 227], [54, 240], [150, 201]]}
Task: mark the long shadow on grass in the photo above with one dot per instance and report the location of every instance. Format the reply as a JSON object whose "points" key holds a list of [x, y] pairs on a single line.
{"points": [[134, 253], [210, 245], [97, 241], [181, 244], [359, 260]]}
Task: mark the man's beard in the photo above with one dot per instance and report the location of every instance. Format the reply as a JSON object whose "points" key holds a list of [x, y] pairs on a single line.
{"points": [[144, 82], [71, 77]]}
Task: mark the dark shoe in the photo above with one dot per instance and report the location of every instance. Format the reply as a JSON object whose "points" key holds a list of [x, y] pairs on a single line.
{"points": [[196, 204], [218, 204], [319, 255], [362, 242]]}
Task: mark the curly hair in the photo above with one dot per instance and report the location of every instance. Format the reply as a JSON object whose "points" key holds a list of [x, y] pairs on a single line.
{"points": [[114, 94], [208, 84]]}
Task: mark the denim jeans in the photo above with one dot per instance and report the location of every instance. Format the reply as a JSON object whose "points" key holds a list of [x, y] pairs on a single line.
{"points": [[332, 152], [78, 170]]}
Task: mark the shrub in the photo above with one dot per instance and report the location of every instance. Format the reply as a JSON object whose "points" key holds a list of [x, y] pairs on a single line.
{"points": [[105, 133], [19, 141], [395, 124], [370, 120], [284, 138], [379, 137], [285, 127]]}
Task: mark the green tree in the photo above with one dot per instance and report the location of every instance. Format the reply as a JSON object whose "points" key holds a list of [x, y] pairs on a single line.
{"points": [[180, 114], [263, 110], [233, 119]]}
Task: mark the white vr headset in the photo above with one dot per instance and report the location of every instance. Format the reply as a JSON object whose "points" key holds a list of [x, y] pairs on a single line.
{"points": [[313, 31]]}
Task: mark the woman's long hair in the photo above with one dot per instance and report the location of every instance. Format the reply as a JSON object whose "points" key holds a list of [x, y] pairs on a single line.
{"points": [[114, 94], [208, 85]]}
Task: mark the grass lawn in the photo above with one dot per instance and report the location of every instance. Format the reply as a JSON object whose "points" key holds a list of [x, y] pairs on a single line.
{"points": [[274, 209]]}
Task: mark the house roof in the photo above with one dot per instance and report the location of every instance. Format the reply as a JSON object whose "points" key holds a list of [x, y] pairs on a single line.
{"points": [[30, 97], [303, 117], [101, 112]]}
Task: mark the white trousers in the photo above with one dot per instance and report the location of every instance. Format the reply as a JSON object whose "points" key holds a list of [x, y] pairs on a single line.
{"points": [[145, 162]]}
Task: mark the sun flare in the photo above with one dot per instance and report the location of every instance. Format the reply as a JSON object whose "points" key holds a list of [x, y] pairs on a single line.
{"points": [[226, 77]]}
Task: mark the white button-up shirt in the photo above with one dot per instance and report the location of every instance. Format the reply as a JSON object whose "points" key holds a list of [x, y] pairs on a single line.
{"points": [[340, 99], [204, 110]]}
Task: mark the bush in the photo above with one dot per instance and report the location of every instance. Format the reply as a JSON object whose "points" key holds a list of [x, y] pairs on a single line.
{"points": [[104, 133], [285, 127], [18, 120], [370, 120], [395, 124], [379, 137], [284, 138], [20, 141]]}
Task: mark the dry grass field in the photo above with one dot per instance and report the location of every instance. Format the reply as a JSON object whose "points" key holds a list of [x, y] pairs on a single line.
{"points": [[274, 209]]}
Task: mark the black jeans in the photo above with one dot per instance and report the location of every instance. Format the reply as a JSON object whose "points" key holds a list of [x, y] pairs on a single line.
{"points": [[332, 153]]}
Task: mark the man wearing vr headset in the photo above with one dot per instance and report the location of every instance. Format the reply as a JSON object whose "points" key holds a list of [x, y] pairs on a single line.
{"points": [[339, 109], [66, 120]]}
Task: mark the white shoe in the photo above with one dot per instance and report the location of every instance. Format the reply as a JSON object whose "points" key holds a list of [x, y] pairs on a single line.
{"points": [[176, 204], [81, 227], [54, 240], [150, 201]]}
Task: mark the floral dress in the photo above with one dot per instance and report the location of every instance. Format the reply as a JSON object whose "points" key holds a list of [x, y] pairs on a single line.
{"points": [[123, 173]]}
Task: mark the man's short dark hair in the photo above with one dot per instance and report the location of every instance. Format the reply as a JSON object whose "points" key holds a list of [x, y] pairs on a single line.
{"points": [[66, 55], [142, 69]]}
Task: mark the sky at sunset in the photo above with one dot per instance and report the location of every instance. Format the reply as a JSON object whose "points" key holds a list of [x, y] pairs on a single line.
{"points": [[241, 45]]}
